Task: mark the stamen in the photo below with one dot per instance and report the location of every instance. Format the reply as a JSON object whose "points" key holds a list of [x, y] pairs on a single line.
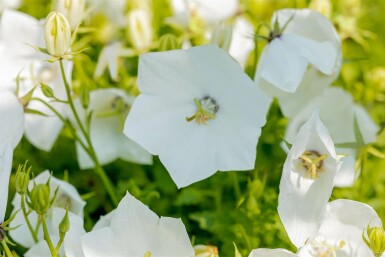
{"points": [[312, 161], [207, 107], [324, 249], [147, 254]]}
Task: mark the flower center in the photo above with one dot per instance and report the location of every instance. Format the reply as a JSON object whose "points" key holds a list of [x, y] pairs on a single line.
{"points": [[312, 161], [147, 254], [324, 249], [207, 107]]}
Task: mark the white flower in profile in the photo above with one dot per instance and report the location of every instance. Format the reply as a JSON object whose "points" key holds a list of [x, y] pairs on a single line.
{"points": [[109, 109], [198, 111], [11, 131], [312, 46], [109, 59], [17, 30], [67, 196], [242, 41], [135, 230], [71, 241], [307, 181], [338, 112], [339, 235], [211, 11], [295, 45]]}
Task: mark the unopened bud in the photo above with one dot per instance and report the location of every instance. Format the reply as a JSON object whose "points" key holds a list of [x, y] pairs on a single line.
{"points": [[222, 35], [140, 29], [64, 225], [22, 178], [73, 10], [57, 34], [47, 90], [206, 251], [375, 240], [40, 198], [168, 42]]}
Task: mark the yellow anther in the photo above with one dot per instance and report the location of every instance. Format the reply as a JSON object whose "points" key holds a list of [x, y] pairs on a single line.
{"points": [[147, 254], [312, 161]]}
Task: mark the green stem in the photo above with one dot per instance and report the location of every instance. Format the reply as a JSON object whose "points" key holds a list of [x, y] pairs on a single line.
{"points": [[235, 181], [59, 244], [24, 210], [98, 168], [6, 249], [47, 237]]}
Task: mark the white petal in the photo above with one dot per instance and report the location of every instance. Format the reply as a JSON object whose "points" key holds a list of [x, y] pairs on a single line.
{"points": [[302, 200], [346, 174], [134, 230], [215, 10], [346, 220], [261, 252], [5, 171], [242, 42]]}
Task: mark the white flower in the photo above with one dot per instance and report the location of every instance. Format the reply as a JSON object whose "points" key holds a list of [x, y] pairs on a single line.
{"points": [[73, 10], [109, 58], [242, 41], [140, 30], [135, 230], [307, 181], [298, 65], [309, 39], [339, 234], [11, 131], [211, 11], [17, 29], [109, 109], [57, 34], [71, 242], [114, 10], [198, 111], [67, 197], [338, 111]]}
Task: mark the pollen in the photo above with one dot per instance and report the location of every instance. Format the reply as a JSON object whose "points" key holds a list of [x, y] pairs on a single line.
{"points": [[312, 161], [207, 108]]}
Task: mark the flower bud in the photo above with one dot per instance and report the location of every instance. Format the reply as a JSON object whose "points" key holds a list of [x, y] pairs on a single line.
{"points": [[222, 35], [168, 42], [40, 198], [140, 29], [206, 251], [64, 225], [73, 10], [47, 90], [22, 179], [57, 34], [375, 240]]}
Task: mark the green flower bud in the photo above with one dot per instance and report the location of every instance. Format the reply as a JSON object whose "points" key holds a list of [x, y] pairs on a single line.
{"points": [[22, 179], [168, 42], [375, 240], [40, 198], [64, 225], [57, 34], [47, 90], [73, 10]]}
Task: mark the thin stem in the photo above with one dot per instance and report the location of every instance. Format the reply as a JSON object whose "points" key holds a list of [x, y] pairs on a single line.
{"points": [[47, 238], [65, 121], [24, 210], [235, 181], [98, 168], [6, 249], [61, 240]]}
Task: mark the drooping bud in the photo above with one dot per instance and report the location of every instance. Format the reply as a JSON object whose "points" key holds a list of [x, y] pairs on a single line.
{"points": [[40, 198], [168, 42], [64, 225], [206, 251], [73, 10], [375, 240], [222, 35], [22, 178], [140, 30], [57, 34]]}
